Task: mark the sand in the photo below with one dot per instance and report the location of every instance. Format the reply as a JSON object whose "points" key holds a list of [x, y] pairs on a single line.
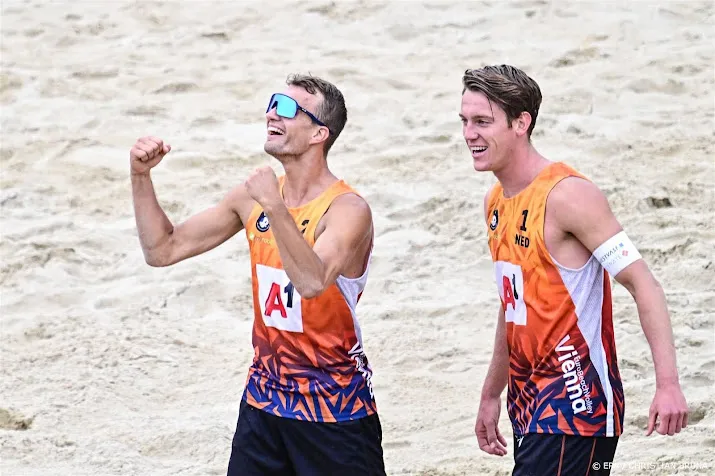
{"points": [[111, 367]]}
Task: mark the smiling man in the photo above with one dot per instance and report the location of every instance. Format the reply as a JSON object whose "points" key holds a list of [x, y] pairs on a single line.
{"points": [[308, 405], [554, 242]]}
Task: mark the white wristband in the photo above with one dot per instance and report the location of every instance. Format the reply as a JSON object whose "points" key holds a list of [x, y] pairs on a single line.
{"points": [[616, 253]]}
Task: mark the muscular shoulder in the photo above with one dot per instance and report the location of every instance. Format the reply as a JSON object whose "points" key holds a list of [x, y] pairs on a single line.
{"points": [[351, 208], [574, 200], [574, 195], [349, 217]]}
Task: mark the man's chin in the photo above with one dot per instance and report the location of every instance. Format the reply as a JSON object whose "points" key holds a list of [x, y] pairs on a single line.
{"points": [[271, 149], [482, 165]]}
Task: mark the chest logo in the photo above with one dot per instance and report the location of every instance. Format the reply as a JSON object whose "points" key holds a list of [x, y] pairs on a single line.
{"points": [[262, 223], [494, 221]]}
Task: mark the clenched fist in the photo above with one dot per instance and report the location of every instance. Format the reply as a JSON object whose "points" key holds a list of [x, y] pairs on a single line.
{"points": [[263, 187], [146, 154]]}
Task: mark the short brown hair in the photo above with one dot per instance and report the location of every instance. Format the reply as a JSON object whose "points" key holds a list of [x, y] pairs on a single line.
{"points": [[511, 88], [331, 111]]}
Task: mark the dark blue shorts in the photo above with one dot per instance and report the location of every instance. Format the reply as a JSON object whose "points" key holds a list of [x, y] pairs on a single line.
{"points": [[265, 444], [538, 454]]}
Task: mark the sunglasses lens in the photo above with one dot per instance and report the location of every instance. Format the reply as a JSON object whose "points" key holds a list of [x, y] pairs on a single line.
{"points": [[285, 106]]}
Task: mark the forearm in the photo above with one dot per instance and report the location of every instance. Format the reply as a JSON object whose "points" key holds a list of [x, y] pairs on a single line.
{"points": [[498, 373], [153, 226], [655, 321], [304, 268]]}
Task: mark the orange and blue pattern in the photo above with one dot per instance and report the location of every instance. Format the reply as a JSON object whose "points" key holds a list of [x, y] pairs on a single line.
{"points": [[309, 362], [563, 372]]}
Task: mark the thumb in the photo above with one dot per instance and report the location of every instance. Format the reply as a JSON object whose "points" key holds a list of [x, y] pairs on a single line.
{"points": [[651, 421], [500, 437], [166, 149], [491, 435]]}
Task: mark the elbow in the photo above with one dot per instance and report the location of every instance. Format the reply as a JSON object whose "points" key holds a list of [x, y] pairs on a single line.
{"points": [[155, 259], [154, 262], [312, 290], [311, 293], [312, 285], [159, 253]]}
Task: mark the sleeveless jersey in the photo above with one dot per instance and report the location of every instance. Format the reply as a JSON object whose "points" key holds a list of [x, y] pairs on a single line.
{"points": [[563, 372], [309, 362]]}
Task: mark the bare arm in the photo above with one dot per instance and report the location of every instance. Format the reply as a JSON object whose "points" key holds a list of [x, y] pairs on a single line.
{"points": [[164, 244], [487, 426], [582, 210], [498, 373], [655, 321], [153, 226], [348, 231]]}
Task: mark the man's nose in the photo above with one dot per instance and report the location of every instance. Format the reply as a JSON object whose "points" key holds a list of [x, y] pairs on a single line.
{"points": [[271, 114], [471, 133]]}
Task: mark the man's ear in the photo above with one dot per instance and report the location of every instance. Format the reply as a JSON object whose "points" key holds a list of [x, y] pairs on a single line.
{"points": [[522, 123], [321, 134]]}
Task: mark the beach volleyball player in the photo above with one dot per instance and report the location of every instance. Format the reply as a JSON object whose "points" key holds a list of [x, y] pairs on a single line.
{"points": [[308, 405], [554, 243]]}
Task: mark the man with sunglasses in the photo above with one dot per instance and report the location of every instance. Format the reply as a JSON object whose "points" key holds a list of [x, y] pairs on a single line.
{"points": [[308, 405]]}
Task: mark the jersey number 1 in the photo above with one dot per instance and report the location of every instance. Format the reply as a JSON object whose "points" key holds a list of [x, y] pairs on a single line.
{"points": [[523, 223]]}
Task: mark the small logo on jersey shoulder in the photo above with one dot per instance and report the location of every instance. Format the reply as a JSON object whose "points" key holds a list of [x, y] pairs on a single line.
{"points": [[495, 220], [262, 224]]}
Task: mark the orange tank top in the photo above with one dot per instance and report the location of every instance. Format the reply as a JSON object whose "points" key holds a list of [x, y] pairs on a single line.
{"points": [[309, 362], [563, 372]]}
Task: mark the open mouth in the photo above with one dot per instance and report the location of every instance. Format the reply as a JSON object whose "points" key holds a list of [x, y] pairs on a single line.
{"points": [[274, 131], [478, 150]]}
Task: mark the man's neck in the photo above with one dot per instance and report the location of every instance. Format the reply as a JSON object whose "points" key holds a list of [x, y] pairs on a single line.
{"points": [[305, 179], [521, 169]]}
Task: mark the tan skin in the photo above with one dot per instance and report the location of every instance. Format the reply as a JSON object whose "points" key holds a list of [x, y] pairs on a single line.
{"points": [[343, 235], [578, 220]]}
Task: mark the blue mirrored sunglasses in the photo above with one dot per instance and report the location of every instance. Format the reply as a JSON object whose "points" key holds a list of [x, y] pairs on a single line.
{"points": [[288, 107]]}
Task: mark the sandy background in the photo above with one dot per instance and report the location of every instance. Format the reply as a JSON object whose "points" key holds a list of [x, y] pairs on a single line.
{"points": [[110, 367]]}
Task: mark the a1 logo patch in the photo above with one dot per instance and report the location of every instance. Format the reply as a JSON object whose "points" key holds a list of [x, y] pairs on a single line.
{"points": [[279, 300], [510, 282]]}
